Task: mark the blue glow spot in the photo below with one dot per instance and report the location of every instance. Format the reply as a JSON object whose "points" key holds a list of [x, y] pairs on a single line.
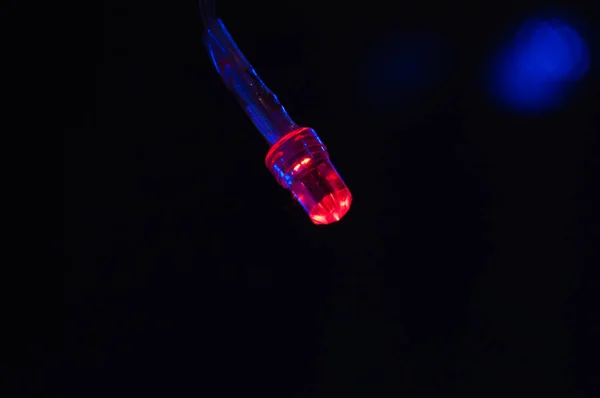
{"points": [[399, 67], [533, 72]]}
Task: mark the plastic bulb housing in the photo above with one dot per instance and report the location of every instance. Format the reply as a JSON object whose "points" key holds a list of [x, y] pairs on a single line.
{"points": [[300, 162]]}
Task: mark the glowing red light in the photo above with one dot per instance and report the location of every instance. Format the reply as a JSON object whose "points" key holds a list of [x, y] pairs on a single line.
{"points": [[300, 162], [331, 208]]}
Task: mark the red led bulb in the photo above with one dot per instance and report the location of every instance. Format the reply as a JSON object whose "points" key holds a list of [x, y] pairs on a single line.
{"points": [[297, 158], [300, 162]]}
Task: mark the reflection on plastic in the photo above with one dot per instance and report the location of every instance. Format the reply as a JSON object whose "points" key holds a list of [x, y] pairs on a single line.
{"points": [[534, 72]]}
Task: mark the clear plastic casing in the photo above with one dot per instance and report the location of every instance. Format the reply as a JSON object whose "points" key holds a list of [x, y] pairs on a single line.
{"points": [[300, 162]]}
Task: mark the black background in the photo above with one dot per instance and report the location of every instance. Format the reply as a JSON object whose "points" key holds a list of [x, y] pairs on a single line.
{"points": [[466, 265]]}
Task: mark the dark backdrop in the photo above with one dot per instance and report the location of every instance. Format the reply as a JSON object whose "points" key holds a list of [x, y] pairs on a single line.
{"points": [[466, 265]]}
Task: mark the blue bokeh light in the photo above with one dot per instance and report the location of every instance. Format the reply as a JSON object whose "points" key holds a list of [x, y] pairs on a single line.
{"points": [[535, 70], [399, 67]]}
